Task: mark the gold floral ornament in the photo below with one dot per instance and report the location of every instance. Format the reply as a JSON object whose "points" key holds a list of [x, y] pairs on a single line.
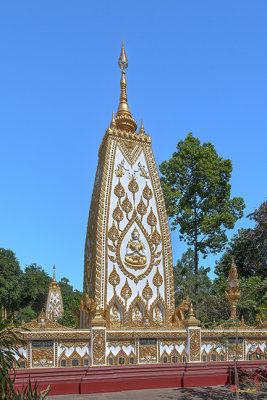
{"points": [[114, 278], [126, 292], [147, 193], [113, 233], [157, 280], [133, 186], [147, 292], [155, 237], [117, 214], [127, 206], [141, 208], [119, 190], [151, 219]]}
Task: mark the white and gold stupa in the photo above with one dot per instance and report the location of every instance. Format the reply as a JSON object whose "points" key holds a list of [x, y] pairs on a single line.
{"points": [[128, 270], [127, 313]]}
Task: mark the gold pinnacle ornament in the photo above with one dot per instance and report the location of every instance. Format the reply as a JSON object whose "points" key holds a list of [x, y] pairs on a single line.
{"points": [[233, 294], [124, 118], [123, 60]]}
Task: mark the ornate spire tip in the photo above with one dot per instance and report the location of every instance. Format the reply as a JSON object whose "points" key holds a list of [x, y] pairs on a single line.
{"points": [[123, 60]]}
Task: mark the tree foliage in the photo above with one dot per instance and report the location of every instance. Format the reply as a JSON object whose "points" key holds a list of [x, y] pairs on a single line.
{"points": [[209, 299], [71, 300], [10, 279], [249, 247], [25, 293], [195, 183], [35, 284]]}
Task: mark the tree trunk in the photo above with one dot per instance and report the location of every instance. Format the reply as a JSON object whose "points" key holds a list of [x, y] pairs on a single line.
{"points": [[195, 238], [195, 254]]}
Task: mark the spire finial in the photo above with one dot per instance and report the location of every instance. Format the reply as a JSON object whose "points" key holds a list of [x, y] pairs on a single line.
{"points": [[123, 60], [123, 64], [124, 119], [54, 283], [113, 122], [142, 130], [191, 311]]}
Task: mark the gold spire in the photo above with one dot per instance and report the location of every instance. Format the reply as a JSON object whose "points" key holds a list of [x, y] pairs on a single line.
{"points": [[54, 282], [124, 119], [98, 320], [123, 60], [233, 294], [123, 108], [191, 321], [142, 130], [113, 122]]}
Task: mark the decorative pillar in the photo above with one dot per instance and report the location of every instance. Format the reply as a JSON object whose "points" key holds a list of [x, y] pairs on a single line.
{"points": [[233, 294], [193, 337], [98, 339]]}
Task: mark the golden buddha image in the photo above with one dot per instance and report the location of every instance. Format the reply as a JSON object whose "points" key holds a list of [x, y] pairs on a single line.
{"points": [[157, 314], [135, 256], [115, 318], [137, 314]]}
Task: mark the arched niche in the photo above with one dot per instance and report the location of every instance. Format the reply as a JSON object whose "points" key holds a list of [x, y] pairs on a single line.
{"points": [[115, 315], [137, 312]]}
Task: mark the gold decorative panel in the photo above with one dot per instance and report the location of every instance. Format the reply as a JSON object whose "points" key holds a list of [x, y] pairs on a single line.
{"points": [[98, 346], [43, 357], [194, 344]]}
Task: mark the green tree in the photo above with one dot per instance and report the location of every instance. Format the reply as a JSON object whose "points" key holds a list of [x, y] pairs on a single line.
{"points": [[253, 302], [26, 314], [10, 280], [209, 300], [195, 183], [35, 284], [249, 247], [71, 300]]}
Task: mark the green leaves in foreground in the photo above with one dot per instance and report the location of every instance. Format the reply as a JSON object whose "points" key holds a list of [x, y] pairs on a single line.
{"points": [[10, 342]]}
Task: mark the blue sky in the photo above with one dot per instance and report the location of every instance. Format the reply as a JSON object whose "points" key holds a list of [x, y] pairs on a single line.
{"points": [[195, 66]]}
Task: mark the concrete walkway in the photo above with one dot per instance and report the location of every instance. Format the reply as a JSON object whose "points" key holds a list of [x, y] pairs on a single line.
{"points": [[208, 393]]}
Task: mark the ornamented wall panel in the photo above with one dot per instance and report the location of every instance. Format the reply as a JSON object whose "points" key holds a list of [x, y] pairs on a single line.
{"points": [[98, 346], [135, 259], [167, 346], [115, 346], [148, 354], [73, 350], [195, 344]]}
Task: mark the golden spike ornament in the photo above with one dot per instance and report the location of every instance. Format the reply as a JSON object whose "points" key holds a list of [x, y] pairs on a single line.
{"points": [[123, 60], [142, 130], [54, 283], [233, 294], [191, 321], [124, 120], [113, 122]]}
